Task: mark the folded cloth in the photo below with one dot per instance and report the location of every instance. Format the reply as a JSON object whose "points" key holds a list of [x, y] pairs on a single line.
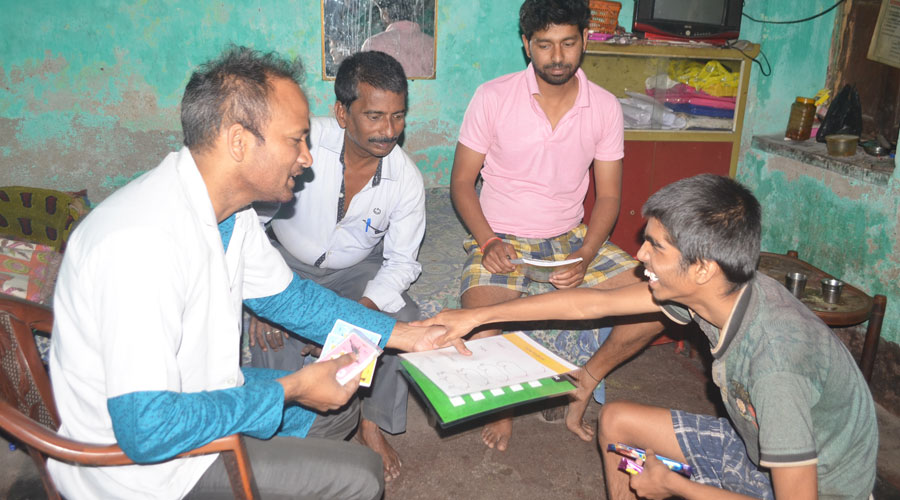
{"points": [[681, 93], [643, 112], [700, 110]]}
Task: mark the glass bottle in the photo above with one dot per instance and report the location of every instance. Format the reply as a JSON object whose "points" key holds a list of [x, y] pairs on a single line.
{"points": [[803, 111]]}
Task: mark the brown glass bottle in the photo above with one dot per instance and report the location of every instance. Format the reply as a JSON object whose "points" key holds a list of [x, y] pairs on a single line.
{"points": [[800, 122]]}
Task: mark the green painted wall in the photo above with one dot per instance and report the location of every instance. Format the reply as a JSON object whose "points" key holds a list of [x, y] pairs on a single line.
{"points": [[89, 96], [89, 90], [844, 226]]}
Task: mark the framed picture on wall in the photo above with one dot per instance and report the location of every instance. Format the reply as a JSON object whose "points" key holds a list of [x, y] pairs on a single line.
{"points": [[405, 29]]}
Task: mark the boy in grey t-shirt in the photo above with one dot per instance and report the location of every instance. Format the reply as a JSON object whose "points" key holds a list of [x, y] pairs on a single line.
{"points": [[802, 421]]}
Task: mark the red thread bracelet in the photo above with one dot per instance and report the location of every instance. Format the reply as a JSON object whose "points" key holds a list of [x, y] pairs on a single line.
{"points": [[488, 243]]}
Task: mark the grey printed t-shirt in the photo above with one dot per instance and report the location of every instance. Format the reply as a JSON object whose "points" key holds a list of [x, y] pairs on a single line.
{"points": [[792, 390]]}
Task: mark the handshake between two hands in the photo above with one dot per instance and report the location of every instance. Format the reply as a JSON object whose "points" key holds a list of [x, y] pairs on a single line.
{"points": [[316, 385]]}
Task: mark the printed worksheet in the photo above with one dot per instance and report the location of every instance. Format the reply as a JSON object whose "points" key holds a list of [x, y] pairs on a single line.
{"points": [[496, 362]]}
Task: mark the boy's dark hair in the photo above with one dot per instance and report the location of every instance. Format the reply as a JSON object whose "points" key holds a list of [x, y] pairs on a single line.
{"points": [[233, 88], [372, 67], [537, 15], [712, 218], [397, 10]]}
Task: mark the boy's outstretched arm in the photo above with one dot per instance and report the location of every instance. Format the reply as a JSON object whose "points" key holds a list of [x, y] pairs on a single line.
{"points": [[578, 303]]}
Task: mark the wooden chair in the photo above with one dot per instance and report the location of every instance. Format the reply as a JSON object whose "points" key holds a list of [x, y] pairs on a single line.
{"points": [[28, 412]]}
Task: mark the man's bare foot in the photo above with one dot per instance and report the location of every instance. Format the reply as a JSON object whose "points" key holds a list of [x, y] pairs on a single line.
{"points": [[497, 433], [575, 419], [370, 435]]}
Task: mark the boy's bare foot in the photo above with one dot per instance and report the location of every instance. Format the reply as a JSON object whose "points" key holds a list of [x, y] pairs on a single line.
{"points": [[370, 435], [497, 433]]}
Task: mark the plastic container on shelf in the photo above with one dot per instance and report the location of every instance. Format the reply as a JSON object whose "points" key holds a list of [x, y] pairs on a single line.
{"points": [[841, 144], [799, 127]]}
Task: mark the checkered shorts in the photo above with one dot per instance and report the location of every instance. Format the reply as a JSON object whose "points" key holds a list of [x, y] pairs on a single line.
{"points": [[718, 456], [609, 261]]}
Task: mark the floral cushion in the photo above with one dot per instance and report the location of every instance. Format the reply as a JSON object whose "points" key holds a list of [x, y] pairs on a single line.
{"points": [[28, 270]]}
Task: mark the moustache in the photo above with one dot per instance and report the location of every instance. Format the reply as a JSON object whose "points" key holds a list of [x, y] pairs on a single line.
{"points": [[384, 140], [557, 66]]}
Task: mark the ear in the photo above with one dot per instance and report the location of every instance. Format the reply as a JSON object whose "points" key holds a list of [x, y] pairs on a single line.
{"points": [[340, 114], [237, 141], [584, 40], [527, 47], [705, 271]]}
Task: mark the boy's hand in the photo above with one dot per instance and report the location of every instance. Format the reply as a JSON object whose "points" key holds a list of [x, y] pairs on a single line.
{"points": [[457, 322], [652, 482]]}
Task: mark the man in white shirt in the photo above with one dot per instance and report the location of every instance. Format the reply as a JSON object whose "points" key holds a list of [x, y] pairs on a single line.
{"points": [[355, 227], [146, 337]]}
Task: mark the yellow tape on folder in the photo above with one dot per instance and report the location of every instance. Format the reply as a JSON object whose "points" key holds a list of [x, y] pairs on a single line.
{"points": [[536, 354]]}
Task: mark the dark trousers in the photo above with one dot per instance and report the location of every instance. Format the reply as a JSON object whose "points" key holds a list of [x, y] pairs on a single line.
{"points": [[322, 465]]}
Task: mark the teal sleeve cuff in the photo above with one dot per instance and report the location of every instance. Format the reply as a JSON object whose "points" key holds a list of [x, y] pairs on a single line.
{"points": [[152, 426], [310, 310]]}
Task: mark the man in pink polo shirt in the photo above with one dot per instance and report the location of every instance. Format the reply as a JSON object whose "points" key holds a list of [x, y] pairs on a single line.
{"points": [[532, 136]]}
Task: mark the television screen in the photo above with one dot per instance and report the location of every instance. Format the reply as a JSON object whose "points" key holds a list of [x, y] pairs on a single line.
{"points": [[695, 11], [688, 19]]}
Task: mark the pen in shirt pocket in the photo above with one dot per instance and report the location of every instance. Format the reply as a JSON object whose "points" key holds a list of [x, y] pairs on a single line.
{"points": [[374, 229]]}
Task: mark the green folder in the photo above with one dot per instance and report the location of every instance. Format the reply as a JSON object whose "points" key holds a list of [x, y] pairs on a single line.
{"points": [[449, 415]]}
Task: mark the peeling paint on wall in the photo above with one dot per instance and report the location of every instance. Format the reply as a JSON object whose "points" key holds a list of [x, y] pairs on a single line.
{"points": [[845, 226], [91, 91]]}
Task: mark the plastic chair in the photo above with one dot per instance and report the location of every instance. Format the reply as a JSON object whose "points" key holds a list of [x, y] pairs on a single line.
{"points": [[28, 412]]}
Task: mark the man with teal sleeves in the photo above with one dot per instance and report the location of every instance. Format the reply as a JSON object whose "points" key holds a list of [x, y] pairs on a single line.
{"points": [[146, 342]]}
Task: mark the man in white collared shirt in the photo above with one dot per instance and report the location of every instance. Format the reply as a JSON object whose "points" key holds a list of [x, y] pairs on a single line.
{"points": [[355, 227]]}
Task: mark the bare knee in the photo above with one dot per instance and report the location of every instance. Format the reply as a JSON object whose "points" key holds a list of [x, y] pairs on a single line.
{"points": [[611, 420]]}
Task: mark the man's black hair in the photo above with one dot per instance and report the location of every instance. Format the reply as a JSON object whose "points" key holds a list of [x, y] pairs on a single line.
{"points": [[372, 67], [233, 88], [712, 218], [397, 10], [538, 15]]}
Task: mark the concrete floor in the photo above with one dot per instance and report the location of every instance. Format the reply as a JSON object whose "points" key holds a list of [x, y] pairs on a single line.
{"points": [[543, 461]]}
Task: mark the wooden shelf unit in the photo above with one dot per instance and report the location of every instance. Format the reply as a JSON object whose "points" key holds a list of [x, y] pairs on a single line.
{"points": [[655, 157]]}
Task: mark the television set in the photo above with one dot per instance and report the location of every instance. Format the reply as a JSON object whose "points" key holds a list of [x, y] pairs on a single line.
{"points": [[709, 20]]}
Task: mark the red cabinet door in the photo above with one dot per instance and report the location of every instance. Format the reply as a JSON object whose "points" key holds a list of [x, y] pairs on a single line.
{"points": [[678, 160], [650, 165], [637, 168]]}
